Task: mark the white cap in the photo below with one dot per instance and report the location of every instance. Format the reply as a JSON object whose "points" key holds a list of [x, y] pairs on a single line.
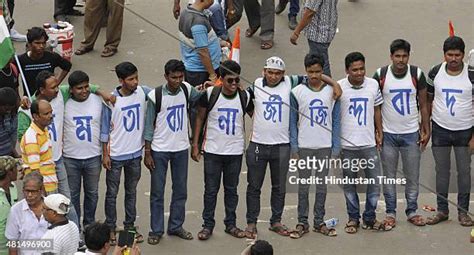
{"points": [[58, 203], [275, 63]]}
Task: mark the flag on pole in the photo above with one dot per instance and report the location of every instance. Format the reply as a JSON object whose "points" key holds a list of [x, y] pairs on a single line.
{"points": [[6, 47], [235, 51], [451, 29]]}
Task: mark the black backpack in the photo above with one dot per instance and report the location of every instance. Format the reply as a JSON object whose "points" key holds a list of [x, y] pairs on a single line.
{"points": [[414, 80], [159, 97], [216, 91]]}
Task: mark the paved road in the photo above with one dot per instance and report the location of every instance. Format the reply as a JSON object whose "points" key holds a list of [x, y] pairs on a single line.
{"points": [[367, 26]]}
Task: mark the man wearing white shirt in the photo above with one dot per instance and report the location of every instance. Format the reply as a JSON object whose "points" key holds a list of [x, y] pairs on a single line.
{"points": [[82, 151], [122, 143], [450, 94], [222, 110], [361, 131]]}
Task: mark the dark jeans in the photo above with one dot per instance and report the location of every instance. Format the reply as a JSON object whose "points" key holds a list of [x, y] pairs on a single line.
{"points": [[443, 140], [217, 21], [216, 166], [132, 171], [321, 189], [294, 7], [373, 190], [258, 156], [393, 146], [179, 177], [11, 7], [63, 7], [87, 173], [321, 49]]}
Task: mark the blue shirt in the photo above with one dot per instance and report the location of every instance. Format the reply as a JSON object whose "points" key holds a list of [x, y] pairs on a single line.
{"points": [[191, 58], [8, 129]]}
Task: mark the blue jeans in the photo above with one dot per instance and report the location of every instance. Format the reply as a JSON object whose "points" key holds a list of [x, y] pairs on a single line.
{"points": [[321, 49], [63, 188], [443, 140], [393, 146], [88, 171], [216, 166], [132, 171], [258, 156], [179, 177], [321, 189], [217, 21], [373, 190]]}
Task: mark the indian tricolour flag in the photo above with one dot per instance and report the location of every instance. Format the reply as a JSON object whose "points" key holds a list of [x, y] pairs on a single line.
{"points": [[6, 46]]}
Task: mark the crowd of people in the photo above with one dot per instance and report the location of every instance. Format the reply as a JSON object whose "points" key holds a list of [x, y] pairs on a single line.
{"points": [[68, 133]]}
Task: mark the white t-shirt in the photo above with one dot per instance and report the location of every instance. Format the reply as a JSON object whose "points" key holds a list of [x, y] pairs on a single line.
{"points": [[171, 125], [128, 123], [271, 118], [317, 105], [452, 104], [225, 126], [399, 112], [82, 128], [357, 113], [65, 238]]}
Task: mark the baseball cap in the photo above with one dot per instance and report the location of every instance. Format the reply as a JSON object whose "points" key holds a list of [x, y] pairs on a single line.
{"points": [[58, 203], [8, 163], [275, 63]]}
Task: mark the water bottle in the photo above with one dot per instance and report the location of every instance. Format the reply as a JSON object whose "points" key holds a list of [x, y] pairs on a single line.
{"points": [[331, 223]]}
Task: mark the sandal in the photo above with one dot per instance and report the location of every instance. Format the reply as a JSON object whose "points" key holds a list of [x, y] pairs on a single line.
{"points": [[280, 229], [351, 227], [153, 240], [204, 234], [323, 229], [113, 238], [183, 234], [235, 232], [251, 232], [465, 220], [82, 51], [251, 31], [265, 45], [139, 238], [108, 52], [299, 231], [390, 221], [417, 220], [437, 218], [376, 225]]}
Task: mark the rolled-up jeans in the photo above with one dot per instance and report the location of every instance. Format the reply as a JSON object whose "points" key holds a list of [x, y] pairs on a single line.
{"points": [[321, 189], [373, 190], [443, 140], [393, 146]]}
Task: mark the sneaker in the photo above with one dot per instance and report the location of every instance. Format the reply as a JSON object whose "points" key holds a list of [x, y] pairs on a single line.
{"points": [[281, 6], [292, 23], [16, 36]]}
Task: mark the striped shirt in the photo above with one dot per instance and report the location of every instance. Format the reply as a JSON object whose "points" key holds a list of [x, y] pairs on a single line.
{"points": [[323, 25], [64, 236], [37, 153]]}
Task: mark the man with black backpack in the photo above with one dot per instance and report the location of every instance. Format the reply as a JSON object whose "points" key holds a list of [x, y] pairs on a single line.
{"points": [[222, 110], [167, 142], [450, 95], [403, 88]]}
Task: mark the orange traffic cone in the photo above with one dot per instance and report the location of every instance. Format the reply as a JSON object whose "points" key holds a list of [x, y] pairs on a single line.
{"points": [[235, 51]]}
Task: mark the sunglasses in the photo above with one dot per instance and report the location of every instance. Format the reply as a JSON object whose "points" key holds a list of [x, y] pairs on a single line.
{"points": [[232, 80]]}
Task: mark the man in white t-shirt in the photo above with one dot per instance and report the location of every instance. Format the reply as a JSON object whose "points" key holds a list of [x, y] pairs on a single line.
{"points": [[167, 142], [81, 145], [450, 94], [270, 143], [361, 132], [62, 234], [122, 143], [314, 134], [403, 88], [221, 110]]}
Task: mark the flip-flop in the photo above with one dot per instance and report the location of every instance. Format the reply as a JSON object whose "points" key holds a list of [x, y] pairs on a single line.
{"points": [[266, 44], [299, 231], [251, 31], [417, 220], [280, 229]]}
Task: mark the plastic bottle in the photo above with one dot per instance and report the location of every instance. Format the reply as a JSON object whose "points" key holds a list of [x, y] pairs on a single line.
{"points": [[331, 223]]}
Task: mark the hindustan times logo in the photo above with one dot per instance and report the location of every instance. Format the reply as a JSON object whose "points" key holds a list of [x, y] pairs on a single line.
{"points": [[318, 164]]}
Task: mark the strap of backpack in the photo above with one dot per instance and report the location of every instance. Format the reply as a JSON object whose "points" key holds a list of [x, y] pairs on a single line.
{"points": [[414, 76], [243, 100], [216, 91], [158, 97], [383, 75], [186, 94]]}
